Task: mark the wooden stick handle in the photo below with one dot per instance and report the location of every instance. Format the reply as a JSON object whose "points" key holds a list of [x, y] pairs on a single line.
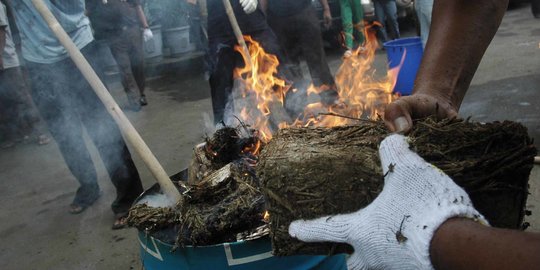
{"points": [[123, 122], [537, 160], [236, 29]]}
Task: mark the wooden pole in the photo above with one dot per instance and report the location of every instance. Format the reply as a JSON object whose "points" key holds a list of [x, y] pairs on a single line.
{"points": [[123, 122], [237, 31], [537, 160]]}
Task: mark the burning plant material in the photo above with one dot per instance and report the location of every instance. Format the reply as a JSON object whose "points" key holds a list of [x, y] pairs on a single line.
{"points": [[224, 202], [224, 146], [263, 98], [215, 211], [312, 172], [150, 218]]}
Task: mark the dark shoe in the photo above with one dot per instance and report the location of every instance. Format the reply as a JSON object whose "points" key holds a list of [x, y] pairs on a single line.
{"points": [[143, 101]]}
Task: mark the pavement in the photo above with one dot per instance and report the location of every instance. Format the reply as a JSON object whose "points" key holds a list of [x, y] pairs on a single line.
{"points": [[36, 188]]}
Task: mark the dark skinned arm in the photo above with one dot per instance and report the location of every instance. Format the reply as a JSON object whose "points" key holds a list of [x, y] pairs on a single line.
{"points": [[142, 17], [327, 15], [462, 244], [460, 33], [264, 5]]}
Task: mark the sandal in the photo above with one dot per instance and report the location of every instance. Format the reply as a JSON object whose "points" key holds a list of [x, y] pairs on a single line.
{"points": [[75, 209], [120, 221]]}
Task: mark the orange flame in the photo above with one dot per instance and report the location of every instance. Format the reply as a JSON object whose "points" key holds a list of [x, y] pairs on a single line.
{"points": [[361, 95], [266, 216]]}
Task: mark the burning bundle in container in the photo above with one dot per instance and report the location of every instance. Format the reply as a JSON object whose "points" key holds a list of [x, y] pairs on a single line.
{"points": [[220, 190], [274, 166]]}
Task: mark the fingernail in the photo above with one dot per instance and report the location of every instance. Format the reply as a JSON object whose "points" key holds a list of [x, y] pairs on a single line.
{"points": [[401, 124]]}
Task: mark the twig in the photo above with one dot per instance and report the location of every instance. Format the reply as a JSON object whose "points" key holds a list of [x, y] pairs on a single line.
{"points": [[348, 117]]}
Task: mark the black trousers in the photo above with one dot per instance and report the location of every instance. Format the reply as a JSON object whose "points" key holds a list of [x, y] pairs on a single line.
{"points": [[224, 59], [68, 104], [300, 35], [127, 50]]}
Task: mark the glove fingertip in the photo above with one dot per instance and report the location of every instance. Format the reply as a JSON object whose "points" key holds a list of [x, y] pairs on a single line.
{"points": [[295, 228]]}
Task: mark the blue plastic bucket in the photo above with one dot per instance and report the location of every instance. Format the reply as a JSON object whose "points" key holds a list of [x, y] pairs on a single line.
{"points": [[410, 51]]}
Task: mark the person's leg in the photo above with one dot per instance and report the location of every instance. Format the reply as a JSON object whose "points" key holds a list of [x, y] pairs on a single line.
{"points": [[390, 8], [381, 19], [358, 20], [120, 48], [106, 136], [535, 8], [221, 78], [286, 30], [54, 99], [347, 22], [423, 10], [310, 40], [137, 62], [30, 122], [269, 42], [9, 108]]}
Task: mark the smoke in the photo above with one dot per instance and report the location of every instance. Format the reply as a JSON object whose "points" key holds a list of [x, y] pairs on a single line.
{"points": [[156, 200]]}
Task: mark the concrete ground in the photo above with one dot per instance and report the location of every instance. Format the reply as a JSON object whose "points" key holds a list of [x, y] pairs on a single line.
{"points": [[36, 188]]}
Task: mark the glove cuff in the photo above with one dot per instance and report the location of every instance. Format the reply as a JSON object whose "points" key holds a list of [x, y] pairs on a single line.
{"points": [[422, 233]]}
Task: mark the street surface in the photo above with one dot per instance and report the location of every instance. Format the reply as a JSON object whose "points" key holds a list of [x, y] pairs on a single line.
{"points": [[37, 232]]}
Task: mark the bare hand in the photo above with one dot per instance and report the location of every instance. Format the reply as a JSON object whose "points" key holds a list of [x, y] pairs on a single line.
{"points": [[327, 18], [399, 114]]}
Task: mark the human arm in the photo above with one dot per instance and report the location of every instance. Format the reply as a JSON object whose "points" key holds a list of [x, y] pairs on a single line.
{"points": [[142, 17], [264, 5], [464, 244], [147, 33], [460, 33], [327, 15]]}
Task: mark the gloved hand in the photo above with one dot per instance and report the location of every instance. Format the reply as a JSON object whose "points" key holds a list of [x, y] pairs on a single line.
{"points": [[147, 34], [395, 231], [249, 5]]}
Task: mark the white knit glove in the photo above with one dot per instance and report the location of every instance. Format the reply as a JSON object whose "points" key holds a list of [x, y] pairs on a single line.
{"points": [[395, 231], [147, 34], [249, 5]]}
